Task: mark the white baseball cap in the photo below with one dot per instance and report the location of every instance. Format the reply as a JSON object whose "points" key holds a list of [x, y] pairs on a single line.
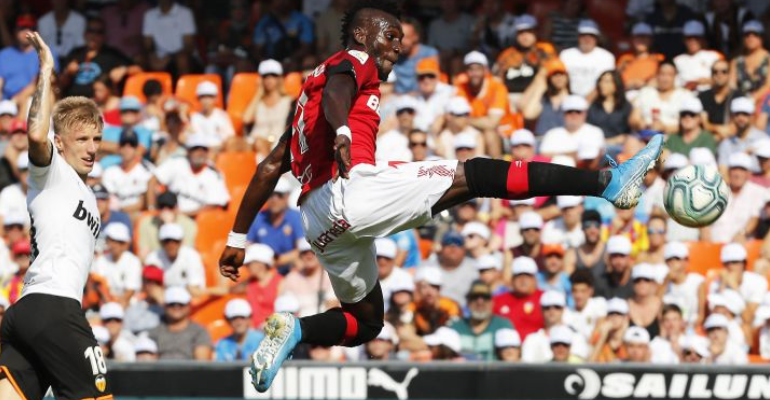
{"points": [[691, 104], [553, 298], [507, 337], [406, 102], [619, 245], [698, 344], [429, 274], [401, 283], [446, 336], [15, 218], [303, 245], [118, 232], [96, 171], [143, 344], [716, 321], [523, 265], [111, 310], [22, 162], [237, 308], [176, 295], [101, 334], [702, 156], [761, 316], [561, 334], [206, 88], [488, 261], [643, 271], [198, 140], [465, 140], [574, 103], [476, 228], [386, 248], [740, 160], [588, 27], [568, 201], [286, 303], [388, 333], [675, 161], [475, 57], [522, 136], [530, 220], [742, 105], [258, 252], [732, 252], [523, 202], [283, 186], [588, 150], [8, 107], [675, 250], [636, 335], [617, 305], [729, 299], [270, 67], [762, 148], [458, 105], [171, 232]]}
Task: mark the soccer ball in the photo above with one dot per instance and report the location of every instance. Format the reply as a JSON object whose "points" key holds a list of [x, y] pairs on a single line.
{"points": [[696, 195]]}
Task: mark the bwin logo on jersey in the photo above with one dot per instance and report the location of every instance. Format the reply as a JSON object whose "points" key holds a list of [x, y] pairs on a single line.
{"points": [[92, 221]]}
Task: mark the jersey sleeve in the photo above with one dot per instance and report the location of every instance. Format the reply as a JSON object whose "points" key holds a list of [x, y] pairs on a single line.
{"points": [[165, 172], [217, 193], [42, 177], [358, 65]]}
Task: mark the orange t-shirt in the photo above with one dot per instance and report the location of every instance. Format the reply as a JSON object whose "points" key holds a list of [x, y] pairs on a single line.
{"points": [[426, 322], [493, 96], [513, 57], [639, 69]]}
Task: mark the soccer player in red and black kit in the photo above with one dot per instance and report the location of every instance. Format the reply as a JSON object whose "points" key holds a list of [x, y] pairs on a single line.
{"points": [[348, 200]]}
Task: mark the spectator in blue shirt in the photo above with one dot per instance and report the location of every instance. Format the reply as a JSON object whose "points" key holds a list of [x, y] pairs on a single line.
{"points": [[19, 63], [412, 51], [130, 117], [552, 276], [279, 227], [243, 341], [408, 249], [284, 34]]}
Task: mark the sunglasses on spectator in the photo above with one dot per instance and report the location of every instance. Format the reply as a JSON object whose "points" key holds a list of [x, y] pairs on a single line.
{"points": [[460, 115], [552, 307], [479, 296], [573, 112], [684, 114], [472, 236], [172, 305], [418, 144], [560, 344], [637, 280], [656, 231], [405, 110], [591, 224], [108, 320], [720, 71], [426, 76], [170, 241], [464, 149], [530, 229]]}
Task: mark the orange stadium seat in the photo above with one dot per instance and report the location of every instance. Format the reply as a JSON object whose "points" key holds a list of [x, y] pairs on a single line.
{"points": [[210, 256], [292, 83], [704, 256], [236, 196], [753, 249], [212, 310], [218, 329], [213, 225], [242, 90], [237, 167], [187, 84], [135, 83]]}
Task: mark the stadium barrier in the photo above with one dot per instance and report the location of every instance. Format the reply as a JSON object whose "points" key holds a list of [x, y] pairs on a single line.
{"points": [[473, 380]]}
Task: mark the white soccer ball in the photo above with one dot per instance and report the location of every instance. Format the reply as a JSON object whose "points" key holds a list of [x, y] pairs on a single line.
{"points": [[696, 195]]}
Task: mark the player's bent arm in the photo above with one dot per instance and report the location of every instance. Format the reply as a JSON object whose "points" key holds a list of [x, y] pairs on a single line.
{"points": [[337, 99], [39, 119]]}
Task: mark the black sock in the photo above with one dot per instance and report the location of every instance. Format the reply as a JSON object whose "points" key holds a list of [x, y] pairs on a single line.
{"points": [[325, 329], [546, 179]]}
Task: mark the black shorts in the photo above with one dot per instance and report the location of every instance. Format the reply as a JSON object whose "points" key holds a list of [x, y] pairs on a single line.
{"points": [[46, 341]]}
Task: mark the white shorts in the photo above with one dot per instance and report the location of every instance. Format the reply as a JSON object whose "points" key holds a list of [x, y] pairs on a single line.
{"points": [[343, 217]]}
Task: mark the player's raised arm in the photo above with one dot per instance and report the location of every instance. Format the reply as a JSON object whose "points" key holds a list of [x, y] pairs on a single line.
{"points": [[39, 120], [260, 189], [337, 99]]}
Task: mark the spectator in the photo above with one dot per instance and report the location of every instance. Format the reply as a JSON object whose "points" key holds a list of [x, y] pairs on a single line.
{"points": [[645, 305], [3, 307], [264, 283], [123, 27], [283, 34], [729, 303], [667, 20], [458, 125], [20, 257], [382, 347], [121, 268], [418, 145], [494, 29], [458, 271], [211, 121], [685, 289], [228, 51], [129, 180], [696, 65], [19, 63], [725, 21], [488, 97], [389, 274], [178, 337], [626, 224], [412, 52], [130, 119], [169, 142], [518, 65], [196, 183], [561, 26], [182, 265], [717, 100], [168, 212], [756, 83], [432, 96], [590, 254], [566, 140], [723, 351], [537, 347], [62, 27], [146, 349], [13, 198], [587, 309], [751, 286], [695, 350], [616, 280], [432, 310], [327, 28], [147, 309], [745, 137], [561, 340], [567, 224], [476, 236], [451, 32], [523, 146], [610, 111], [120, 341], [762, 152], [107, 215], [444, 344], [666, 348], [658, 107], [522, 304], [393, 145], [637, 343], [638, 67], [169, 38], [270, 108], [308, 282], [104, 95], [507, 345], [408, 254], [490, 272], [742, 212], [278, 226], [607, 340], [542, 101], [244, 340], [586, 62], [691, 133], [552, 276], [102, 339], [8, 116], [478, 331], [508, 234], [530, 225], [84, 64], [656, 234]]}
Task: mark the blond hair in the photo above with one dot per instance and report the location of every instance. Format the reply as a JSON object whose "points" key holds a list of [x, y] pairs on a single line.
{"points": [[76, 112]]}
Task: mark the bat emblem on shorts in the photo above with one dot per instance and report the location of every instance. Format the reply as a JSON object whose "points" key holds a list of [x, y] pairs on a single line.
{"points": [[100, 382]]}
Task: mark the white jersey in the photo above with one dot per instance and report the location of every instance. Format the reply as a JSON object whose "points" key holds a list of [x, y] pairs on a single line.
{"points": [[685, 295], [128, 186], [584, 321], [217, 126], [585, 68], [123, 274], [194, 191], [186, 270], [753, 287], [64, 226]]}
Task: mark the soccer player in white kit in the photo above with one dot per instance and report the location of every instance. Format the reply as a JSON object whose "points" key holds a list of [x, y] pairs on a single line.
{"points": [[46, 340]]}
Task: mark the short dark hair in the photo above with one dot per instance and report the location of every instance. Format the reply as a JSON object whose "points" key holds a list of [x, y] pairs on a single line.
{"points": [[671, 308], [582, 275], [349, 19], [152, 87]]}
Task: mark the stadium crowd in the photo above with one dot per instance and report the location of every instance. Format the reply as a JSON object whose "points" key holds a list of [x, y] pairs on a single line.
{"points": [[564, 279]]}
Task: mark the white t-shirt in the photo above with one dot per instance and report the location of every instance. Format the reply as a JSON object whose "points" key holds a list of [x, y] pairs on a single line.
{"points": [[584, 321], [71, 33], [537, 347], [217, 126], [649, 102], [13, 201], [432, 107], [753, 287], [393, 146], [128, 186], [446, 141], [123, 274], [571, 238], [693, 67], [186, 270], [584, 69], [661, 352], [168, 30], [764, 343], [732, 355], [560, 141], [65, 224], [123, 349], [740, 209], [194, 191], [685, 295]]}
